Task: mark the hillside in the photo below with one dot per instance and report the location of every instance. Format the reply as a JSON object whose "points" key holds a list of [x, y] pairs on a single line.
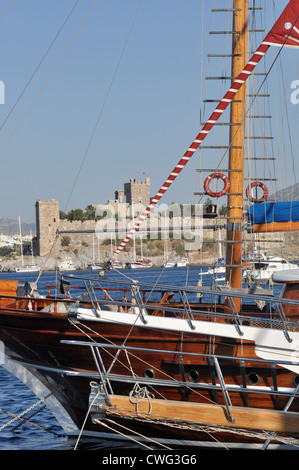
{"points": [[291, 193], [11, 227]]}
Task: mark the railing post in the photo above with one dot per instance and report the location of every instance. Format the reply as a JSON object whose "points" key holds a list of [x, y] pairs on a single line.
{"points": [[139, 303], [283, 319], [235, 314], [101, 376], [187, 309], [224, 390]]}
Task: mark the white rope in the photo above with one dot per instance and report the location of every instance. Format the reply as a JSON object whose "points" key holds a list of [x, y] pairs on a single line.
{"points": [[84, 422], [122, 434], [138, 394]]}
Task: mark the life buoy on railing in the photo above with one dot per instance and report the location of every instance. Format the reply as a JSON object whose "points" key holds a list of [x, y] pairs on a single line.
{"points": [[260, 185], [217, 193]]}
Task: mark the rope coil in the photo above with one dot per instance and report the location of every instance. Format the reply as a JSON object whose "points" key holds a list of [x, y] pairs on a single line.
{"points": [[138, 394]]}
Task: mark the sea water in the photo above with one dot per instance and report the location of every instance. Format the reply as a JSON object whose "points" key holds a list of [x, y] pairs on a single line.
{"points": [[38, 429]]}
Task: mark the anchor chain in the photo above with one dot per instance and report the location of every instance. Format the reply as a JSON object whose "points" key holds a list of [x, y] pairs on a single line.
{"points": [[24, 420]]}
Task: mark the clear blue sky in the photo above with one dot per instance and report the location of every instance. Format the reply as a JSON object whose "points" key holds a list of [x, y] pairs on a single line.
{"points": [[147, 95]]}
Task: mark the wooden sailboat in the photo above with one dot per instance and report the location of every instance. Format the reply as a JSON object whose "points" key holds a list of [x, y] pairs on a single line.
{"points": [[159, 361], [138, 262], [95, 265]]}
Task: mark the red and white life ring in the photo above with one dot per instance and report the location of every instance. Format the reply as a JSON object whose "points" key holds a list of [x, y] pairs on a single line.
{"points": [[218, 193], [260, 185]]}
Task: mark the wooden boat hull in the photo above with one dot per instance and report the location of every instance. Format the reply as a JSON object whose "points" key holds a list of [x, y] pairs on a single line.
{"points": [[206, 414], [34, 339]]}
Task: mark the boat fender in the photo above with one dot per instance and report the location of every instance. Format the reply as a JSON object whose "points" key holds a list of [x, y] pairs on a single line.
{"points": [[216, 193], [97, 402], [63, 286], [73, 314], [260, 185]]}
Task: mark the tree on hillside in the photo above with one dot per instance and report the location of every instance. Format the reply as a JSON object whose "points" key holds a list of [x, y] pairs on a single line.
{"points": [[76, 214], [65, 241]]}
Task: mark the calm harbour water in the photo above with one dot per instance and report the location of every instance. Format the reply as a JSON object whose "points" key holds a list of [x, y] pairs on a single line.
{"points": [[15, 397]]}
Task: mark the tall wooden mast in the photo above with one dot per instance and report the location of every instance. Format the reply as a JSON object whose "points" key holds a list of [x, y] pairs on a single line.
{"points": [[236, 155]]}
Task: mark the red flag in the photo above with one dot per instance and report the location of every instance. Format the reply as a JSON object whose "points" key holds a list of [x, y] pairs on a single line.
{"points": [[286, 29]]}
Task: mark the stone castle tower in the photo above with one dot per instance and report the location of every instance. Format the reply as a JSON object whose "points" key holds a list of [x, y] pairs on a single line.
{"points": [[47, 223], [137, 192], [48, 217]]}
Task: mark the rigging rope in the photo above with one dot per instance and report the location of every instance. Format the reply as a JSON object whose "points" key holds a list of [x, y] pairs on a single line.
{"points": [[86, 417], [226, 100], [212, 431], [40, 63], [6, 8], [48, 79], [130, 353], [97, 121], [105, 100], [122, 434]]}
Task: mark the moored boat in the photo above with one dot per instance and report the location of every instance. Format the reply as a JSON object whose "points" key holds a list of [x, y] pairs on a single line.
{"points": [[182, 263], [78, 350], [140, 262], [27, 268], [172, 364], [262, 271], [67, 265], [169, 264]]}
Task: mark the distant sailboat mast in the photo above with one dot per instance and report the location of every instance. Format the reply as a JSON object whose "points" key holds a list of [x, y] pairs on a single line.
{"points": [[21, 243]]}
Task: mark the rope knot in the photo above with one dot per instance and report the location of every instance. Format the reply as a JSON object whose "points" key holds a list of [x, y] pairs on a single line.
{"points": [[140, 393]]}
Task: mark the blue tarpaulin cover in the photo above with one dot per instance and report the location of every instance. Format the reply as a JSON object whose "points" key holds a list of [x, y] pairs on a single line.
{"points": [[268, 212]]}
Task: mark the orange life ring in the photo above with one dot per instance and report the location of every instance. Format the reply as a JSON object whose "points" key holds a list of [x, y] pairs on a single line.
{"points": [[260, 185], [218, 176]]}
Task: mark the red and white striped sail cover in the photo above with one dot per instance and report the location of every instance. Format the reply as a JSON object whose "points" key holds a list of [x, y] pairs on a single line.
{"points": [[284, 32], [286, 29]]}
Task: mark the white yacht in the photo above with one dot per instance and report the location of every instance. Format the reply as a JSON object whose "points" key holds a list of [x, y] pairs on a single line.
{"points": [[67, 265], [263, 270], [182, 263], [169, 264]]}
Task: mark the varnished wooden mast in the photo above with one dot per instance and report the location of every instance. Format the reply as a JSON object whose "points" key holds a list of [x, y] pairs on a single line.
{"points": [[236, 156]]}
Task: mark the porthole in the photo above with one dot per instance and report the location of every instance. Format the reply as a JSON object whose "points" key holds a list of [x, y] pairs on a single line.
{"points": [[149, 373], [253, 378], [193, 375]]}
